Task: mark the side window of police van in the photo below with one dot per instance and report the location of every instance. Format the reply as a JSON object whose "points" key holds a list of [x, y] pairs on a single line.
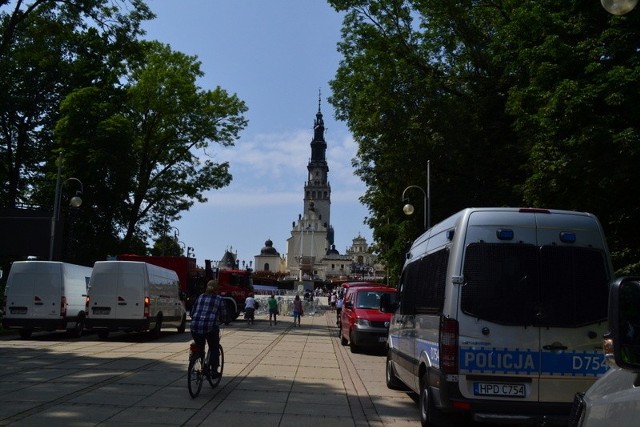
{"points": [[424, 283]]}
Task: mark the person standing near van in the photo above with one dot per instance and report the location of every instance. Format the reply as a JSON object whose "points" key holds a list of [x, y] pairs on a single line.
{"points": [[273, 309], [297, 310], [206, 315], [250, 308], [339, 304]]}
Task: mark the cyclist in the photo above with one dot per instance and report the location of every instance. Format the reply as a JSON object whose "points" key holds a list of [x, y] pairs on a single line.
{"points": [[206, 314]]}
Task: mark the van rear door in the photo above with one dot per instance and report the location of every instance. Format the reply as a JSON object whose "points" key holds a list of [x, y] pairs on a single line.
{"points": [[132, 284], [499, 346], [35, 290], [532, 306], [573, 311]]}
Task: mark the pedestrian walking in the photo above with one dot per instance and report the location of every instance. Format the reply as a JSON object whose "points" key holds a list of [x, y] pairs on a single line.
{"points": [[298, 312], [273, 309], [339, 304], [332, 301], [250, 305]]}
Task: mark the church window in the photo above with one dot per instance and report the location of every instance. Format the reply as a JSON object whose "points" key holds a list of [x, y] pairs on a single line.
{"points": [[266, 266]]}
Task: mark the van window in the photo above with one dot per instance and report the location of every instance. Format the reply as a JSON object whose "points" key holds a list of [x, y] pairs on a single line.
{"points": [[423, 283], [574, 286], [371, 299], [520, 284]]}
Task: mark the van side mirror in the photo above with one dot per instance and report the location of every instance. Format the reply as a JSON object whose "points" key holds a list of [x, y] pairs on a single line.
{"points": [[386, 304], [624, 321]]}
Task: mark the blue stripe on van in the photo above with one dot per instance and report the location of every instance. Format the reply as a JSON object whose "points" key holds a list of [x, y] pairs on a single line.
{"points": [[429, 348], [530, 362]]}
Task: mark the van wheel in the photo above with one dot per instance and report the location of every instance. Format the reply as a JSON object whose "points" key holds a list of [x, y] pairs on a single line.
{"points": [[352, 345], [430, 416], [25, 333], [78, 327], [393, 382], [183, 324], [155, 333]]}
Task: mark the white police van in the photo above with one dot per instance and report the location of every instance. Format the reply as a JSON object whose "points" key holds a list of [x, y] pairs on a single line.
{"points": [[501, 315]]}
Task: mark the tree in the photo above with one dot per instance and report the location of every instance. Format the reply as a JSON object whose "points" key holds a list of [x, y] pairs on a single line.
{"points": [[509, 100], [47, 49], [165, 124]]}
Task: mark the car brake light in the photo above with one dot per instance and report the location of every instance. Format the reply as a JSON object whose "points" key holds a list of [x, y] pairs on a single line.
{"points": [[146, 306], [449, 346], [63, 306]]}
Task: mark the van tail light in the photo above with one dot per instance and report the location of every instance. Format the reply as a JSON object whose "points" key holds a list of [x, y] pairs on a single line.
{"points": [[86, 305], [449, 346], [63, 306], [146, 306]]}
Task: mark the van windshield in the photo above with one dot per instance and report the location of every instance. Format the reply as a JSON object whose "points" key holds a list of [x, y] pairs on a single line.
{"points": [[519, 284], [371, 299]]}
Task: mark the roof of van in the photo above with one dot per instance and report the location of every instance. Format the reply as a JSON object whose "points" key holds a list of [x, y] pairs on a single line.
{"points": [[354, 284]]}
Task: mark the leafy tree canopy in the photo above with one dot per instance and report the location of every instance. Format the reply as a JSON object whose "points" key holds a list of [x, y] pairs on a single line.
{"points": [[513, 103]]}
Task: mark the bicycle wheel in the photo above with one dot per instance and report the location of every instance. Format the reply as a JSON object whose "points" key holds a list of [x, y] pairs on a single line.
{"points": [[215, 379], [195, 375]]}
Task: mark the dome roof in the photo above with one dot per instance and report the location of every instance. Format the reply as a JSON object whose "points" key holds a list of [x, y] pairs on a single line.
{"points": [[269, 249]]}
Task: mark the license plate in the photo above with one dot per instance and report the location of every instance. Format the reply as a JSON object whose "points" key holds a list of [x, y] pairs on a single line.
{"points": [[18, 310], [101, 310], [382, 339], [499, 389]]}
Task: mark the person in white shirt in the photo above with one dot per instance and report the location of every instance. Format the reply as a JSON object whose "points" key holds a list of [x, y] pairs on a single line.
{"points": [[250, 304], [339, 304]]}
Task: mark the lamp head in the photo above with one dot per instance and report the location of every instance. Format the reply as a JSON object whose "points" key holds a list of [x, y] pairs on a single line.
{"points": [[76, 201], [619, 7], [408, 209]]}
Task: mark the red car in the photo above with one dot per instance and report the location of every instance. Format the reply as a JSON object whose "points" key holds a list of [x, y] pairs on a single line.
{"points": [[362, 323]]}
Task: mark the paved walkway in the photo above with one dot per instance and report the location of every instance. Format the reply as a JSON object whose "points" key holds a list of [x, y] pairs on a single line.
{"points": [[273, 376]]}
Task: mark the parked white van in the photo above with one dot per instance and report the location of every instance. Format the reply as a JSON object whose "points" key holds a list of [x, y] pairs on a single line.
{"points": [[614, 399], [133, 296], [45, 295], [501, 315]]}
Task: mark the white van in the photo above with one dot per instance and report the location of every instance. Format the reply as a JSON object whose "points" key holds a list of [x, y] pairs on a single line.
{"points": [[133, 296], [501, 315], [614, 399], [45, 295]]}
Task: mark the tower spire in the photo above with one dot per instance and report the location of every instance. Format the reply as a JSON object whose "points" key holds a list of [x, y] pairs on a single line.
{"points": [[319, 98]]}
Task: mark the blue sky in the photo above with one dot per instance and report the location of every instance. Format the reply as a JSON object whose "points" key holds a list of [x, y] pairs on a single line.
{"points": [[276, 55]]}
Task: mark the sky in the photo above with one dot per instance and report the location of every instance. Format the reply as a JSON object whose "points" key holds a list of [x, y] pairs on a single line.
{"points": [[278, 56]]}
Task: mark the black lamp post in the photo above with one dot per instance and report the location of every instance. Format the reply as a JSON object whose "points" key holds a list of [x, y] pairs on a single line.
{"points": [[75, 202]]}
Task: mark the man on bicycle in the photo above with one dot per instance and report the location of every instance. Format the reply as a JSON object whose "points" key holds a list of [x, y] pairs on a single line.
{"points": [[206, 314]]}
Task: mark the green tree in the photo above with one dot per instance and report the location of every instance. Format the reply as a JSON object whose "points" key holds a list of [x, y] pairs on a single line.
{"points": [[167, 246], [514, 103], [146, 148], [48, 48]]}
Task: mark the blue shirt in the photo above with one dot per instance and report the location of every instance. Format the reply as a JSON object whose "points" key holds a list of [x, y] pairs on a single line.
{"points": [[207, 312]]}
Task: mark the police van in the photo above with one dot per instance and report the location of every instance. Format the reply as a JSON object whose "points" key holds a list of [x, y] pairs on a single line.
{"points": [[501, 315]]}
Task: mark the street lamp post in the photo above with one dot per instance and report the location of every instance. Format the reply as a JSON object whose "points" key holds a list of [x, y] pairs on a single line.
{"points": [[75, 202], [408, 208]]}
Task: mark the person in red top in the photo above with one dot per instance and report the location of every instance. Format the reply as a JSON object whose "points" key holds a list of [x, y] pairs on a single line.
{"points": [[206, 315]]}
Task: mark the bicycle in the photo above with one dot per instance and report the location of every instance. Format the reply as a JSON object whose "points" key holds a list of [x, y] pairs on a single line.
{"points": [[199, 370]]}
